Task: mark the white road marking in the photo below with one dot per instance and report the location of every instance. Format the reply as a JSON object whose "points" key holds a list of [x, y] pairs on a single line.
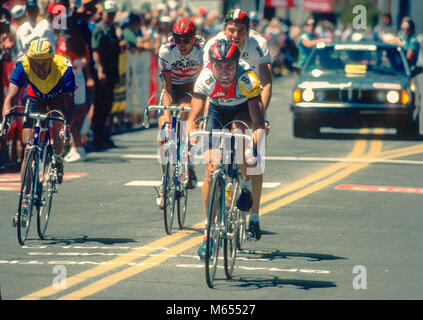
{"points": [[157, 183], [83, 253], [311, 159]]}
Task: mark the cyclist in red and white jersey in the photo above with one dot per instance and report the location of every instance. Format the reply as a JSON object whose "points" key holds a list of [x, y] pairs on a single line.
{"points": [[235, 94], [254, 50], [180, 63]]}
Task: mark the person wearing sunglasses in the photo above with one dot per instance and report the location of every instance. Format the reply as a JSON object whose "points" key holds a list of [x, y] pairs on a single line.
{"points": [[180, 63], [408, 40]]}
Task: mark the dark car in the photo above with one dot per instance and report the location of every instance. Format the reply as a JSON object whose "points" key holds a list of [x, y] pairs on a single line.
{"points": [[353, 85]]}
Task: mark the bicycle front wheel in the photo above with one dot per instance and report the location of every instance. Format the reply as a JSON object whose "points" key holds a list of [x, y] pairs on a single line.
{"points": [[47, 189], [213, 239], [169, 196], [26, 196], [230, 243], [182, 197]]}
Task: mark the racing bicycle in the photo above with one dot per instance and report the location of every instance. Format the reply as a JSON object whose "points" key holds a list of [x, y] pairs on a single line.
{"points": [[39, 177], [173, 185], [226, 224]]}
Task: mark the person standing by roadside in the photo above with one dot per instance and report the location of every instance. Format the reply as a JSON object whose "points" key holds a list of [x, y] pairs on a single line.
{"points": [[106, 50], [408, 41], [31, 12], [308, 39]]}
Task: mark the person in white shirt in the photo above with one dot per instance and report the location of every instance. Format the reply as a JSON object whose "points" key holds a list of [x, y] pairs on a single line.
{"points": [[31, 11], [46, 28]]}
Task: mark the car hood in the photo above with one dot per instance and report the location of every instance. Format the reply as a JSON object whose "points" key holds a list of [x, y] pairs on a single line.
{"points": [[366, 81]]}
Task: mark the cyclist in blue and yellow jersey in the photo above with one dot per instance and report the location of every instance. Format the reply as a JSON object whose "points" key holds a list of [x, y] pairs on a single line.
{"points": [[234, 91], [50, 83]]}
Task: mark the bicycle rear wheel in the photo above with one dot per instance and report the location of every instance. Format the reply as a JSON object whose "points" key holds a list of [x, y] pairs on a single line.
{"points": [[213, 239], [169, 196], [47, 189], [26, 196]]}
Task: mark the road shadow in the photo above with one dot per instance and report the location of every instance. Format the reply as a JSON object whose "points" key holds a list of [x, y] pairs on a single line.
{"points": [[254, 282], [274, 254], [85, 240], [264, 278]]}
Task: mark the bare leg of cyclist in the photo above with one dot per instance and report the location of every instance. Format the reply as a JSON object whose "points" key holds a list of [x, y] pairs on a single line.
{"points": [[162, 159], [211, 160], [27, 136], [191, 177], [252, 177]]}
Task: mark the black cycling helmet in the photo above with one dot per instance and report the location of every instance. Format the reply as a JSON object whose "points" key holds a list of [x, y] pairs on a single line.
{"points": [[237, 15], [224, 50]]}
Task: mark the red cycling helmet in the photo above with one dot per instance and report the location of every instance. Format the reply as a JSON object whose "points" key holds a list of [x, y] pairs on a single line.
{"points": [[224, 50], [184, 27], [238, 15]]}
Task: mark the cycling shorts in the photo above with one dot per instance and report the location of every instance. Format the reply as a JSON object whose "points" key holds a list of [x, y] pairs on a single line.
{"points": [[219, 117], [178, 92], [42, 106]]}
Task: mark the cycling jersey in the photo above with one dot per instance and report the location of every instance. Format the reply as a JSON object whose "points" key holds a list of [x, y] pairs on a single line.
{"points": [[183, 69], [60, 79], [246, 86], [255, 51]]}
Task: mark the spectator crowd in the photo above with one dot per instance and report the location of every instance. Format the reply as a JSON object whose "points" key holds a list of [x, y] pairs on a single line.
{"points": [[113, 49]]}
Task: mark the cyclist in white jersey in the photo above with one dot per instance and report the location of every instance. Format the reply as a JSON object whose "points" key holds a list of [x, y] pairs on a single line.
{"points": [[254, 51], [180, 63], [235, 94]]}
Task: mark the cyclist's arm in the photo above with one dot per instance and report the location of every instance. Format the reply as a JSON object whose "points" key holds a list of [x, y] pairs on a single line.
{"points": [[255, 107], [68, 103], [167, 95], [198, 103], [265, 77], [11, 93]]}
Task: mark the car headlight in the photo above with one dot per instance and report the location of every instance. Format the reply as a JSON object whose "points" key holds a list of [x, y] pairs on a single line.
{"points": [[308, 95], [393, 96]]}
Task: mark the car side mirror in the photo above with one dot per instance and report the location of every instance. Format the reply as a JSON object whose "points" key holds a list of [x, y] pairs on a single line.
{"points": [[416, 70]]}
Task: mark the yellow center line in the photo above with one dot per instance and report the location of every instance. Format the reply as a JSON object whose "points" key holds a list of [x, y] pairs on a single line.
{"points": [[131, 271], [375, 148], [405, 149], [112, 264], [359, 148]]}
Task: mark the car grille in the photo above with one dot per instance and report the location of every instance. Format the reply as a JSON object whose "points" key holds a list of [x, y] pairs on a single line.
{"points": [[348, 95]]}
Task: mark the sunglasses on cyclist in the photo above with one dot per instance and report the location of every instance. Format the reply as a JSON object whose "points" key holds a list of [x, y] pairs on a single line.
{"points": [[183, 40]]}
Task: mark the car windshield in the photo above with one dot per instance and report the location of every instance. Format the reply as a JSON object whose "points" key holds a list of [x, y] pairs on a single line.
{"points": [[356, 59]]}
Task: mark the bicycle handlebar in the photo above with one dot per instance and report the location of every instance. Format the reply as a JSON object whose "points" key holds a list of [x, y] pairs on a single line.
{"points": [[33, 115], [220, 134], [157, 107]]}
